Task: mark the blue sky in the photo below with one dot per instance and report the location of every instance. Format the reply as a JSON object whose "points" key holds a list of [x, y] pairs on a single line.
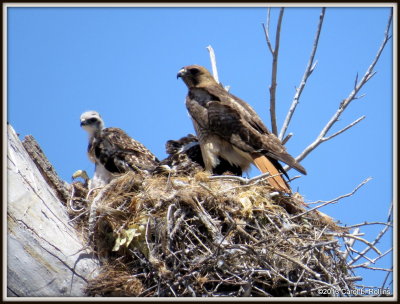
{"points": [[122, 62]]}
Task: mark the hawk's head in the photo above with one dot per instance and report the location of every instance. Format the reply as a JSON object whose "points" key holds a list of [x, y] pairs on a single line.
{"points": [[91, 121], [195, 76], [181, 145]]}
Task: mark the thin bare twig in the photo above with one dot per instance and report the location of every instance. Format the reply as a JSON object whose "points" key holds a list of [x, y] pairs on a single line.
{"points": [[369, 223], [378, 237], [286, 139], [369, 244], [372, 268], [384, 282], [370, 261], [344, 129], [266, 31], [275, 53], [352, 96], [309, 69], [334, 201]]}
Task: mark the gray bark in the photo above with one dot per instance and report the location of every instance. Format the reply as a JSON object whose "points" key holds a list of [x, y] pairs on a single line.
{"points": [[43, 258]]}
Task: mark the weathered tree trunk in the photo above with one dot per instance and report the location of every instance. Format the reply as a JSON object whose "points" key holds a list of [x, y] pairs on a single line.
{"points": [[43, 257]]}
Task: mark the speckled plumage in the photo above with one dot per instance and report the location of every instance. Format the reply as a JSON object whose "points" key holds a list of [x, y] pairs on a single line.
{"points": [[185, 158], [113, 151], [228, 127]]}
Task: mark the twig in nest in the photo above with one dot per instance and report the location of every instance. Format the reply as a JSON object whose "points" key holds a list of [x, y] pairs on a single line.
{"points": [[242, 180], [91, 191], [208, 222], [95, 203], [293, 260]]}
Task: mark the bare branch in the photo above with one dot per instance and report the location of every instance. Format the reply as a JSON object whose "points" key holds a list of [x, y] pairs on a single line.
{"points": [[357, 238], [369, 223], [382, 255], [309, 69], [287, 138], [384, 282], [352, 96], [334, 201], [356, 81], [344, 129], [274, 72], [213, 63], [372, 268], [355, 251], [266, 32], [378, 237]]}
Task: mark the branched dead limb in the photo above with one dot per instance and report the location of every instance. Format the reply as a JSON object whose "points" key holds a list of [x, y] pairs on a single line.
{"points": [[370, 261], [357, 238], [378, 237], [351, 264], [343, 105], [274, 72], [266, 31], [384, 281], [309, 69], [334, 201], [351, 249]]}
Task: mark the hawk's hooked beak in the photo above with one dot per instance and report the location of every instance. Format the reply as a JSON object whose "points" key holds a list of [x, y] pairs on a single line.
{"points": [[84, 123], [181, 73]]}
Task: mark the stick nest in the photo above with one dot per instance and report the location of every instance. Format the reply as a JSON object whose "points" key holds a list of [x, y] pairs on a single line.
{"points": [[192, 236]]}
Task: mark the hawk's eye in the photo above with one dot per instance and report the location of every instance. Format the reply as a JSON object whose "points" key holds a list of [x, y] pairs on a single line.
{"points": [[194, 71], [92, 120]]}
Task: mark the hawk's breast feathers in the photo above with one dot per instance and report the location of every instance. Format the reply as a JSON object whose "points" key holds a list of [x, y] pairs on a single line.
{"points": [[113, 151], [227, 126]]}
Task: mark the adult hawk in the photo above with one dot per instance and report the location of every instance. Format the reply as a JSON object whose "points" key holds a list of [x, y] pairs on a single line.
{"points": [[113, 151], [184, 158], [228, 127]]}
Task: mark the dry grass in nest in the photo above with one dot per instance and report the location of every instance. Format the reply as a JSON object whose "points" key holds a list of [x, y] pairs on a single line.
{"points": [[192, 236]]}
